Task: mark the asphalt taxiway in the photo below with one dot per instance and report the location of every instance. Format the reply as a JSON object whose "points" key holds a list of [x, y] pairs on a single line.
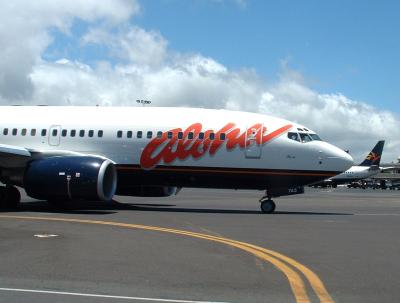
{"points": [[205, 246]]}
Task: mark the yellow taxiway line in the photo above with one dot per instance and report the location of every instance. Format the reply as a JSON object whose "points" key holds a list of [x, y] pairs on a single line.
{"points": [[280, 261]]}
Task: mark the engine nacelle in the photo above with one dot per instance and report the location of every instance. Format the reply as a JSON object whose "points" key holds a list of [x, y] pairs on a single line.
{"points": [[71, 177], [148, 191]]}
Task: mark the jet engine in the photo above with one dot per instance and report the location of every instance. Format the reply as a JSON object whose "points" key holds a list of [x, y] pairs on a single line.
{"points": [[71, 177]]}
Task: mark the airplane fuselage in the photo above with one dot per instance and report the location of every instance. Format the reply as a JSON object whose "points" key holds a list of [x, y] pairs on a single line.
{"points": [[355, 173], [176, 146]]}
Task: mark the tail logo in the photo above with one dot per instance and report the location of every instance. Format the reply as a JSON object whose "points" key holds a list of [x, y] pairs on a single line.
{"points": [[373, 157], [169, 148]]}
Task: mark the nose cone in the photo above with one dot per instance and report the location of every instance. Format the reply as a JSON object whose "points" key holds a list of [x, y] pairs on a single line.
{"points": [[337, 159]]}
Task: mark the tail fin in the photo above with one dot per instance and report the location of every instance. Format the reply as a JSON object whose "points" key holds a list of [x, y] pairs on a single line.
{"points": [[374, 157]]}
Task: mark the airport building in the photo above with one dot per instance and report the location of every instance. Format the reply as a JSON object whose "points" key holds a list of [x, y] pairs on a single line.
{"points": [[393, 173]]}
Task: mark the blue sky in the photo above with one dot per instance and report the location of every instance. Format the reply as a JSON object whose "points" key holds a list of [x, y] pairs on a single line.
{"points": [[351, 47]]}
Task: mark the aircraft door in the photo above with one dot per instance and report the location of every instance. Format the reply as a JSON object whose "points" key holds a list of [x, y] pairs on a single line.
{"points": [[253, 136], [54, 135]]}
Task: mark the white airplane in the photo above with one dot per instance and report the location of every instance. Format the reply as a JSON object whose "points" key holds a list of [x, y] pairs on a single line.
{"points": [[62, 153], [366, 169]]}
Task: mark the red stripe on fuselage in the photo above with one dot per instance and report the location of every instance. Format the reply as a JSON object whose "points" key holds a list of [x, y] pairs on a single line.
{"points": [[166, 150]]}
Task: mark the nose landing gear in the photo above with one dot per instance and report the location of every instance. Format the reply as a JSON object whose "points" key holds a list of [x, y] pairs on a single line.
{"points": [[267, 205]]}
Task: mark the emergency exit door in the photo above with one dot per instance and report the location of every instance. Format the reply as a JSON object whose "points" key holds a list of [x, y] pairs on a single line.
{"points": [[54, 135]]}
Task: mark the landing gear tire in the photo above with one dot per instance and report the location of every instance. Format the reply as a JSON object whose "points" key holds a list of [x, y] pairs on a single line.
{"points": [[9, 197], [268, 206]]}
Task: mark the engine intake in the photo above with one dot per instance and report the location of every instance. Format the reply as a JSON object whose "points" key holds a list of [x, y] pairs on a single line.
{"points": [[71, 177]]}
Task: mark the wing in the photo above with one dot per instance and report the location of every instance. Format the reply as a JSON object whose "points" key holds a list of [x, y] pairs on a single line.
{"points": [[386, 168], [13, 156]]}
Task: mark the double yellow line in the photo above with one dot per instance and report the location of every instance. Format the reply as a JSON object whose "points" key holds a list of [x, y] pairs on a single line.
{"points": [[288, 266]]}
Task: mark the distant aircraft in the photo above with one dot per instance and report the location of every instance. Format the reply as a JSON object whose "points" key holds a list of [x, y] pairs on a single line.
{"points": [[366, 169], [68, 153]]}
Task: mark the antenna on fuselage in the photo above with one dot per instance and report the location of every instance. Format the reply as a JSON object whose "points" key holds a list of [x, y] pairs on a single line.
{"points": [[143, 102]]}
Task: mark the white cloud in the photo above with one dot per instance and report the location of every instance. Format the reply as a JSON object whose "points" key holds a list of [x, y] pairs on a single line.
{"points": [[142, 66], [350, 124], [24, 34], [134, 44]]}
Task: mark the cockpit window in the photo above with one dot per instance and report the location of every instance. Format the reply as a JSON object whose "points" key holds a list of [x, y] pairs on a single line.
{"points": [[315, 137], [293, 136], [305, 137]]}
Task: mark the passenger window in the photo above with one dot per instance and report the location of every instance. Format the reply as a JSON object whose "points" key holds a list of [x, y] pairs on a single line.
{"points": [[211, 136], [159, 134], [170, 135], [91, 133], [149, 134], [23, 132], [139, 134], [180, 135], [81, 133], [64, 133], [293, 136], [190, 136], [5, 131], [33, 132], [201, 136], [14, 131], [222, 137], [305, 138], [44, 132], [54, 132], [73, 133], [119, 134], [100, 134], [129, 134]]}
